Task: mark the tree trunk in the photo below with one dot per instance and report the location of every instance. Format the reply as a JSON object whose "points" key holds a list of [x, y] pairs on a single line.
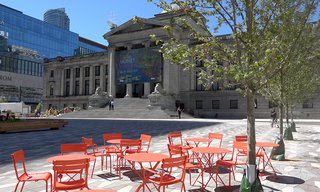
{"points": [[287, 113], [281, 120], [251, 173]]}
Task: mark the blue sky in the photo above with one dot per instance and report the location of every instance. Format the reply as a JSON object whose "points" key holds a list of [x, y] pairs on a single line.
{"points": [[88, 18]]}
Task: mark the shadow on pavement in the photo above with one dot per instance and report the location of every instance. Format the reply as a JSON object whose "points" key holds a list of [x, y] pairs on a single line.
{"points": [[285, 179], [227, 188]]}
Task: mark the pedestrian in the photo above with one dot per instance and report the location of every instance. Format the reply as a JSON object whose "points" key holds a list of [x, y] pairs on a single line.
{"points": [[179, 110], [112, 104], [273, 116]]}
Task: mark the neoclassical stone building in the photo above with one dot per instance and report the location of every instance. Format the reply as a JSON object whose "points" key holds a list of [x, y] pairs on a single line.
{"points": [[69, 81], [132, 67]]}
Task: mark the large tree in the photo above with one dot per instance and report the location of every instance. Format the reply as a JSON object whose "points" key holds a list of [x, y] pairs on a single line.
{"points": [[249, 61]]}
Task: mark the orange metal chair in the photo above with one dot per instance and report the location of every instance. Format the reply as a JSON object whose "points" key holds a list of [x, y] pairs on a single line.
{"points": [[111, 149], [175, 151], [215, 137], [64, 167], [18, 161], [73, 147], [127, 146], [162, 178], [145, 143], [93, 149], [175, 138], [231, 163], [241, 138]]}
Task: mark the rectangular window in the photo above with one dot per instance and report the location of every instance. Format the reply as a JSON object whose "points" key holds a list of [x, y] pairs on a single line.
{"points": [[84, 106], [51, 90], [76, 88], [67, 88], [77, 72], [67, 73], [51, 73], [307, 104], [199, 104], [107, 70], [106, 85], [86, 87], [215, 104], [87, 71], [233, 104], [97, 70], [199, 85], [96, 83], [65, 105]]}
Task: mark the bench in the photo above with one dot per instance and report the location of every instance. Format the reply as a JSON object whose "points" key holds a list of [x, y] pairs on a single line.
{"points": [[32, 124]]}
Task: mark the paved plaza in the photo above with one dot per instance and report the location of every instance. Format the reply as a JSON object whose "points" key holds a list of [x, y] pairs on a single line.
{"points": [[299, 172]]}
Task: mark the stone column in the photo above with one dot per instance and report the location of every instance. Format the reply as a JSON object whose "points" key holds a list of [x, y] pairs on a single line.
{"points": [[62, 83], [146, 86], [91, 81], [129, 85], [112, 75], [81, 82], [129, 90], [102, 77], [71, 90], [146, 89]]}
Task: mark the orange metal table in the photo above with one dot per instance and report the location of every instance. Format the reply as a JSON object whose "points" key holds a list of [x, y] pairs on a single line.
{"points": [[145, 158], [198, 140], [71, 157], [206, 157], [98, 190]]}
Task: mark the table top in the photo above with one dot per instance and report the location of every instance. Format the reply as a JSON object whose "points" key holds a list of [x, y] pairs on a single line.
{"points": [[210, 150], [198, 139], [146, 157], [98, 190], [266, 144], [71, 157]]}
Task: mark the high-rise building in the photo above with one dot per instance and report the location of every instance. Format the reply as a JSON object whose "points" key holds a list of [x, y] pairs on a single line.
{"points": [[24, 44], [57, 17]]}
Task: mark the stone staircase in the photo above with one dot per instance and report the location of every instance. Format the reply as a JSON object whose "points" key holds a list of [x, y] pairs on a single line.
{"points": [[127, 108]]}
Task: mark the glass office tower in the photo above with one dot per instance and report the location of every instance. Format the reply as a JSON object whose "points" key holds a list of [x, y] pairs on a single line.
{"points": [[57, 17], [24, 43]]}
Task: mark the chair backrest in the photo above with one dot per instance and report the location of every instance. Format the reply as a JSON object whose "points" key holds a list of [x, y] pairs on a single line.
{"points": [[18, 161], [65, 167], [175, 138], [239, 148], [241, 138], [73, 147], [109, 136], [174, 150], [92, 148], [132, 145], [174, 162], [216, 139], [145, 142]]}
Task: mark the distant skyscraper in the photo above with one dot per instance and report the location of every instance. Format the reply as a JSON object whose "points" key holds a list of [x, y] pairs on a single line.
{"points": [[57, 17]]}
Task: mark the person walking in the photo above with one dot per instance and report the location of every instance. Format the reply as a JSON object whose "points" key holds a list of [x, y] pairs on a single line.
{"points": [[112, 104], [179, 110]]}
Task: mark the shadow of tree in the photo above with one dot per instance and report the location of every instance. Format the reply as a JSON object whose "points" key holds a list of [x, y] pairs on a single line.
{"points": [[285, 179], [227, 188]]}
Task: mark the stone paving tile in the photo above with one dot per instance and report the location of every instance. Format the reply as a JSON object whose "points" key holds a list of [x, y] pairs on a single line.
{"points": [[300, 172]]}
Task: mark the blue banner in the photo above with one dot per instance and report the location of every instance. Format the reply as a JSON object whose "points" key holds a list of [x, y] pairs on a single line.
{"points": [[138, 65]]}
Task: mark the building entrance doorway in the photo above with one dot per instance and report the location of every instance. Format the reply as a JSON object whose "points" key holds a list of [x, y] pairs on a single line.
{"points": [[137, 90]]}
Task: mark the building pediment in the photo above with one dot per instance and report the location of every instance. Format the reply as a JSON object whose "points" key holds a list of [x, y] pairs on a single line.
{"points": [[136, 24]]}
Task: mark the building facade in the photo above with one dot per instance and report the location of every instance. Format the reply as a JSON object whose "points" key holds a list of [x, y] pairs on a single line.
{"points": [[69, 81], [135, 65], [57, 17], [24, 44]]}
